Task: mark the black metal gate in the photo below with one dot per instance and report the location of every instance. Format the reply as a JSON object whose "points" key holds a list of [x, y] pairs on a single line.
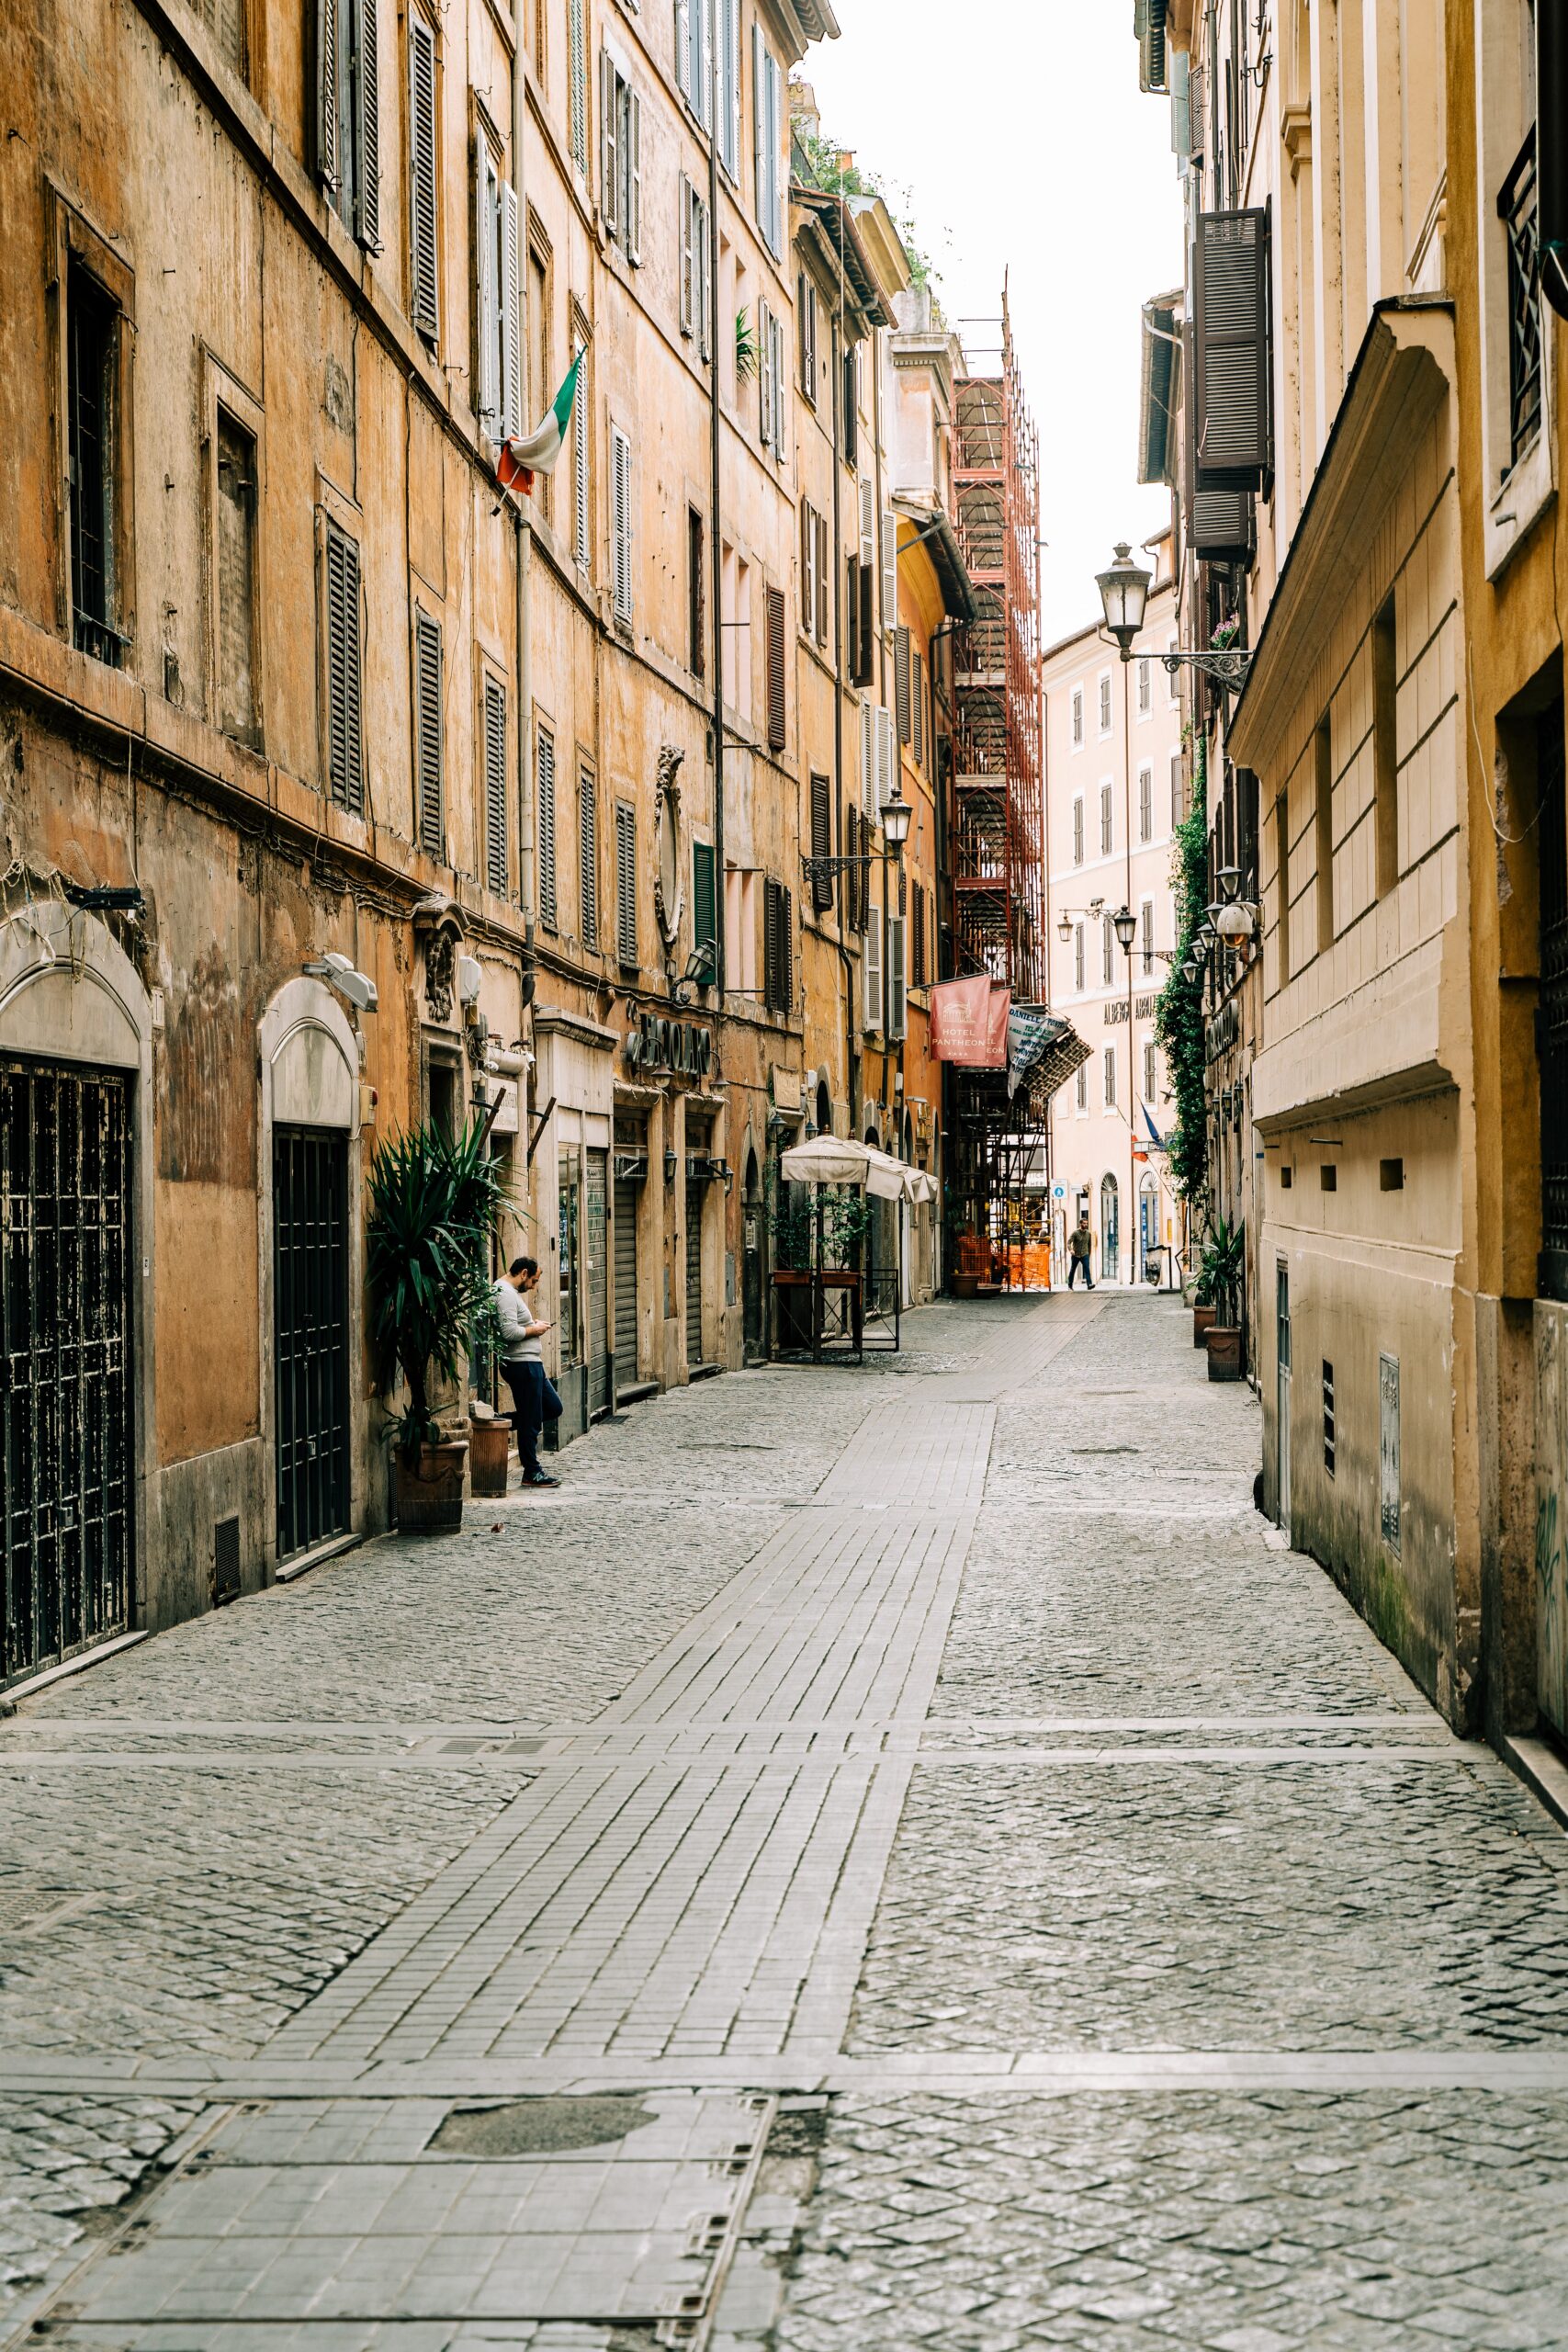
{"points": [[66, 1423], [309, 1258]]}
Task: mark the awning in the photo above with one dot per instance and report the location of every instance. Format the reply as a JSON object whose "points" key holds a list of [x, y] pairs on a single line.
{"points": [[839, 1160]]}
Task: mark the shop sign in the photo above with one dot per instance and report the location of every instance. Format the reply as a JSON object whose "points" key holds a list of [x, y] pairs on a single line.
{"points": [[1142, 1009], [969, 1022], [676, 1046], [1222, 1031]]}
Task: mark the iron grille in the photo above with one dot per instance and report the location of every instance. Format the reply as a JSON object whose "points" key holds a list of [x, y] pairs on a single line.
{"points": [[311, 1335], [65, 1409], [1517, 209]]}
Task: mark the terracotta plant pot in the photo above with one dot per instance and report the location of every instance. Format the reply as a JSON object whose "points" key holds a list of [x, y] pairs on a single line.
{"points": [[490, 1457], [966, 1285], [430, 1493], [1202, 1324], [1224, 1354]]}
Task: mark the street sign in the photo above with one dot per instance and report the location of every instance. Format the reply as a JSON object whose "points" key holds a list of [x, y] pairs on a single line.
{"points": [[1058, 1192]]}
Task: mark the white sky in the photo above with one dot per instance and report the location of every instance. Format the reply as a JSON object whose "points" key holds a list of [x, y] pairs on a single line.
{"points": [[1018, 129]]}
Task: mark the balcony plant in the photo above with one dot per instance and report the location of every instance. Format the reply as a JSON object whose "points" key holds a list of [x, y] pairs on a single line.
{"points": [[745, 348], [435, 1202], [1222, 1273]]}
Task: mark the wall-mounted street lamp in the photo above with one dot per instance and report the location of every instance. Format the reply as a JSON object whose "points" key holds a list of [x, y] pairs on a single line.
{"points": [[1069, 915], [897, 816], [1124, 597]]}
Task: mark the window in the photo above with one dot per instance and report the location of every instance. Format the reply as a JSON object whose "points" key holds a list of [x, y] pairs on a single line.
{"points": [[496, 868], [870, 967], [1082, 1085], [693, 55], [543, 387], [821, 841], [808, 567], [1391, 1175], [92, 356], [225, 20], [588, 856], [766, 86], [423, 171], [806, 316], [1145, 803], [1328, 1447], [1077, 830], [1107, 950], [901, 683], [581, 474], [729, 64], [348, 153], [704, 903], [917, 710], [697, 266], [1144, 688], [898, 979], [625, 885], [577, 85], [1146, 925], [1079, 958], [621, 522], [778, 947], [776, 624], [238, 713], [696, 593], [427, 734], [1105, 703], [1177, 793], [343, 665], [853, 872], [1151, 1069], [1173, 677], [889, 570], [1518, 209], [499, 307], [1078, 717], [620, 158], [770, 379], [848, 435], [545, 757], [1107, 821], [1323, 780], [1109, 1076], [1385, 748], [919, 973]]}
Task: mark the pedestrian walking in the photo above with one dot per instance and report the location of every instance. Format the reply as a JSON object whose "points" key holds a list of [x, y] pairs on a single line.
{"points": [[523, 1365], [1080, 1241]]}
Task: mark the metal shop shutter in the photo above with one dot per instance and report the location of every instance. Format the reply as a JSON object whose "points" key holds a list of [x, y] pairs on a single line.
{"points": [[626, 1193], [695, 1195], [596, 1270]]}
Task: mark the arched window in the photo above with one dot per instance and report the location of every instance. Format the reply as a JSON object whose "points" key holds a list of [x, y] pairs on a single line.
{"points": [[824, 1108], [1110, 1230]]}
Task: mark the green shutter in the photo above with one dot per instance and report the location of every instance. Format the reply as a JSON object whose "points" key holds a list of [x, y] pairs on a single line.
{"points": [[704, 911]]}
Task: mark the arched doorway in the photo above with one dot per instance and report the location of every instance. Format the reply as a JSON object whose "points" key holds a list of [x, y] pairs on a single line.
{"points": [[1148, 1225], [1110, 1230], [751, 1260], [824, 1108]]}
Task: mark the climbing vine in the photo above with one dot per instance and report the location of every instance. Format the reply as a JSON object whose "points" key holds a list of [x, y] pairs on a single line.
{"points": [[1179, 1015]]}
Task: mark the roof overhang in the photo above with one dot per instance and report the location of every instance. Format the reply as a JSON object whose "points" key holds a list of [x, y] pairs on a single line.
{"points": [[804, 21], [1404, 372], [832, 233], [884, 245], [940, 541]]}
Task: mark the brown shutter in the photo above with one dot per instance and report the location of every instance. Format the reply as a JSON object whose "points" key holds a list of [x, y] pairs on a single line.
{"points": [[808, 551], [625, 884], [776, 669], [769, 944], [787, 951], [370, 124], [821, 840], [423, 308], [1231, 308], [917, 710], [495, 786], [901, 681], [852, 871], [821, 579], [1219, 521], [427, 733], [345, 771], [588, 855]]}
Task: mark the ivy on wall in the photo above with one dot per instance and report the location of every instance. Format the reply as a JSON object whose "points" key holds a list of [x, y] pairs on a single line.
{"points": [[1179, 1015]]}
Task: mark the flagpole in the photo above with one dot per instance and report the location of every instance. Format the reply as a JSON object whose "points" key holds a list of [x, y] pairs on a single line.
{"points": [[711, 18]]}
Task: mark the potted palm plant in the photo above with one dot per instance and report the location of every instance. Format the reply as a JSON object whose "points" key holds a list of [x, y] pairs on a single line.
{"points": [[434, 1199], [1223, 1254]]}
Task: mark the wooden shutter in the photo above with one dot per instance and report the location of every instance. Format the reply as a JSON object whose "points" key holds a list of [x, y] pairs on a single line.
{"points": [[729, 85], [776, 669], [1231, 312], [546, 762], [696, 591], [807, 567], [821, 840], [889, 570], [621, 520], [704, 280], [327, 170], [1077, 831], [919, 968], [684, 47], [758, 130], [609, 147], [513, 420], [917, 710], [423, 285], [886, 758], [705, 897], [582, 517], [631, 133], [1107, 821], [771, 944], [486, 299], [822, 614], [701, 59], [871, 967], [588, 855], [626, 885], [868, 757], [780, 383], [765, 372], [898, 979], [851, 618], [576, 72], [688, 257], [867, 521], [495, 786], [367, 126], [786, 941], [901, 681], [852, 870], [427, 733], [850, 436], [867, 628], [226, 21], [345, 773]]}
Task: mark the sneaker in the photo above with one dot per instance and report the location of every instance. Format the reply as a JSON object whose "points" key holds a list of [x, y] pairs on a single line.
{"points": [[539, 1478]]}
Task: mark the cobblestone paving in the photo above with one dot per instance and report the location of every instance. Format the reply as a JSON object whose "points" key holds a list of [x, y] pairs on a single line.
{"points": [[65, 2164], [1135, 2224]]}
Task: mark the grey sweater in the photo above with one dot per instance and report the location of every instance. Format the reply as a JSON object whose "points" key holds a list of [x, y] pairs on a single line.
{"points": [[516, 1316]]}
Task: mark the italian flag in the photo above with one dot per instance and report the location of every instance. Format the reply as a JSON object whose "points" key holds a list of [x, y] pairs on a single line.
{"points": [[535, 453]]}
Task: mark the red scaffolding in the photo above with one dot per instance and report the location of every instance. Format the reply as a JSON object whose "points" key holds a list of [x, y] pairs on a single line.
{"points": [[998, 873]]}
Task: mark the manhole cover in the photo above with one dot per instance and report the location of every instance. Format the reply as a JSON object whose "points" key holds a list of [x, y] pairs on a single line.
{"points": [[25, 1909], [531, 2126]]}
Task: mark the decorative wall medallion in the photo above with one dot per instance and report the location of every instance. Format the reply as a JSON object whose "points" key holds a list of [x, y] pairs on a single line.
{"points": [[669, 879]]}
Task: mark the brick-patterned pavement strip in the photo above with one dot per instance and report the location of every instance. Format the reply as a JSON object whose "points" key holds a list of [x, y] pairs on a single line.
{"points": [[911, 1861]]}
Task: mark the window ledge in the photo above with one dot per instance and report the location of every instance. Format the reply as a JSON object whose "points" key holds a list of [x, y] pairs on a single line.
{"points": [[1518, 505]]}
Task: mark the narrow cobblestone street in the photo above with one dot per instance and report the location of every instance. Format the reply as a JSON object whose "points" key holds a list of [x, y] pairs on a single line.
{"points": [[879, 1860]]}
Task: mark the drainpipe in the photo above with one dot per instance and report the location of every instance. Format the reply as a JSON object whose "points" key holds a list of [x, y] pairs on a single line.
{"points": [[715, 420], [836, 372], [527, 882]]}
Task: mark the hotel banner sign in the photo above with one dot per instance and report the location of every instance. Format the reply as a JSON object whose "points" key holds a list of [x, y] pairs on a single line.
{"points": [[969, 1022]]}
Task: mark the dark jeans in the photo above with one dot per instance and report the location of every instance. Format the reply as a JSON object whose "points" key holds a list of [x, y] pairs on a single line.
{"points": [[535, 1402], [1076, 1266]]}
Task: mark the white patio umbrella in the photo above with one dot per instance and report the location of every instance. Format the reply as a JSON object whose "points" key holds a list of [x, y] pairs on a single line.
{"points": [[840, 1160]]}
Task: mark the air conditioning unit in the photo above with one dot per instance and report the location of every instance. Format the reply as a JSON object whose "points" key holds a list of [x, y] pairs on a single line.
{"points": [[631, 1166], [700, 1170]]}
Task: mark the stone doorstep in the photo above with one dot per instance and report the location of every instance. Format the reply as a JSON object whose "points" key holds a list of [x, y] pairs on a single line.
{"points": [[1541, 1769]]}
